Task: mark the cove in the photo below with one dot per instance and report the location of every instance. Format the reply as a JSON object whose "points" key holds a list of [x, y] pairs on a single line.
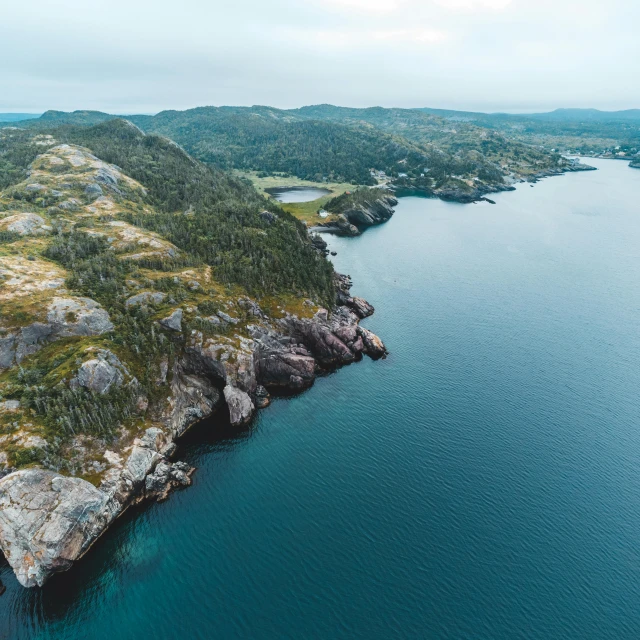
{"points": [[481, 482]]}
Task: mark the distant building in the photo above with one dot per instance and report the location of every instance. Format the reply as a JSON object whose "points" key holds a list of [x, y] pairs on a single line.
{"points": [[322, 213]]}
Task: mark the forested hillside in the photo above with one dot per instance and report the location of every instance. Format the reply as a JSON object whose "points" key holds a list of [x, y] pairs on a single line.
{"points": [[326, 143]]}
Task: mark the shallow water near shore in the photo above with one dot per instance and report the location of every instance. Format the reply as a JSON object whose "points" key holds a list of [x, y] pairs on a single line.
{"points": [[482, 482]]}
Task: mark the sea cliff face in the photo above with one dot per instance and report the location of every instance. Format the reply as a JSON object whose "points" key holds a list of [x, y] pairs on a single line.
{"points": [[357, 214], [114, 341], [48, 520]]}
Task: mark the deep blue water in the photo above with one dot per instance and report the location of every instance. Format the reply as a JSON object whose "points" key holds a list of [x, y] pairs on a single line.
{"points": [[481, 483]]}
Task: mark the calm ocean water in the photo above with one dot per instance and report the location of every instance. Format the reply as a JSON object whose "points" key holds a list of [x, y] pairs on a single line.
{"points": [[481, 483]]}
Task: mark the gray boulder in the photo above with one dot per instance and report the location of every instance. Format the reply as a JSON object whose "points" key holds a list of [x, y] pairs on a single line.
{"points": [[241, 407], [174, 321], [101, 373], [47, 521], [146, 297]]}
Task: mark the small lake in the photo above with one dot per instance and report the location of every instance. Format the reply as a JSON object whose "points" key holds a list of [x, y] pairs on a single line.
{"points": [[297, 194]]}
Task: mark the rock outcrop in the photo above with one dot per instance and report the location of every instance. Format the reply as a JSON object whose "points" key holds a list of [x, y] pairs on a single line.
{"points": [[47, 521], [65, 317], [101, 373], [359, 214], [24, 224], [375, 212]]}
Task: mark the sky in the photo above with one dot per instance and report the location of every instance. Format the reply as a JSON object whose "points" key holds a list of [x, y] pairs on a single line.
{"points": [[143, 56]]}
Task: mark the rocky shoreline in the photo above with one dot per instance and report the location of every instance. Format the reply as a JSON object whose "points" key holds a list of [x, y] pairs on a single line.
{"points": [[358, 217], [354, 220], [48, 520], [478, 194]]}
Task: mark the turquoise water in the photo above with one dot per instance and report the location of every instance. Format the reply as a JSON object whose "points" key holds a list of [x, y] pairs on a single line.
{"points": [[481, 483]]}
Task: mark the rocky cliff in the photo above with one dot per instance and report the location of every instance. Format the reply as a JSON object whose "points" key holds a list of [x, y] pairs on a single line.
{"points": [[93, 396], [48, 520], [354, 212]]}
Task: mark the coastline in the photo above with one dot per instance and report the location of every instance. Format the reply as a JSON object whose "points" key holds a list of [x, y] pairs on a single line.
{"points": [[283, 356]]}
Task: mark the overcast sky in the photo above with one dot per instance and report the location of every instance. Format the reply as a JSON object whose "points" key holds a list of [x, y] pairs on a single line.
{"points": [[142, 56]]}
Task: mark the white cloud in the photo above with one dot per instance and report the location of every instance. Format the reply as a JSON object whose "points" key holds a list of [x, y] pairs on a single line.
{"points": [[357, 39], [373, 6], [457, 5]]}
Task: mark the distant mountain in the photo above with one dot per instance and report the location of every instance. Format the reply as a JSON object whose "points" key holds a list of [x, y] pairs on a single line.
{"points": [[582, 115], [558, 115], [16, 117], [75, 117]]}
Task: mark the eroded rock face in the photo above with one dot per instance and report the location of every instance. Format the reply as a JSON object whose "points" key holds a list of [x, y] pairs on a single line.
{"points": [[241, 407], [47, 521]]}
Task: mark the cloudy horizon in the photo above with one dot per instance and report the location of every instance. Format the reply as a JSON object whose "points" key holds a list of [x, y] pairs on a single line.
{"points": [[144, 56]]}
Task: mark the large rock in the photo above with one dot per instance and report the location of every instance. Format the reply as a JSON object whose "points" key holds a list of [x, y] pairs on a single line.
{"points": [[285, 370], [101, 373], [166, 477], [241, 408], [78, 317], [65, 317], [47, 521], [24, 224], [174, 321]]}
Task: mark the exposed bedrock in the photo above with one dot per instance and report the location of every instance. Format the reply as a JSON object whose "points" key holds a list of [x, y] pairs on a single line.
{"points": [[376, 212], [47, 520]]}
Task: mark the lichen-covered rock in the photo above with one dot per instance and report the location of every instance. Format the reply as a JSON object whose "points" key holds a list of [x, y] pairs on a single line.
{"points": [[24, 224], [101, 373], [174, 321], [78, 317], [145, 297], [47, 521]]}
